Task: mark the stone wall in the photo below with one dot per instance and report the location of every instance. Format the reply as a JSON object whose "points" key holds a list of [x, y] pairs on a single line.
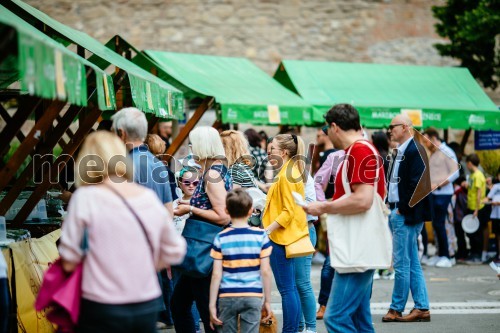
{"points": [[265, 31]]}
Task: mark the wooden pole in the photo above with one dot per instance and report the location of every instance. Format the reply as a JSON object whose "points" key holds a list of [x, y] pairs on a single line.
{"points": [[184, 132], [35, 164], [40, 128], [465, 138], [57, 166]]}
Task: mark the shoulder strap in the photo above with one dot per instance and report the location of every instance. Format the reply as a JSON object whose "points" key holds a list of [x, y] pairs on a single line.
{"points": [[345, 182], [136, 217]]}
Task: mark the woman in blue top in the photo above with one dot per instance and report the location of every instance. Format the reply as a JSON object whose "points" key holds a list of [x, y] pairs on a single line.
{"points": [[208, 203]]}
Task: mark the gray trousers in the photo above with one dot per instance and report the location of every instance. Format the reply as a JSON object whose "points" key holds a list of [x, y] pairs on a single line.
{"points": [[248, 308]]}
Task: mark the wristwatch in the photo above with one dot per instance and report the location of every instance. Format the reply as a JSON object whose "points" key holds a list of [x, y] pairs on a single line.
{"points": [[191, 210]]}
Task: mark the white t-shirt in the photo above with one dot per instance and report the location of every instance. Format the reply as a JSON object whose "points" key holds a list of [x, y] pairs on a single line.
{"points": [[3, 267], [494, 195]]}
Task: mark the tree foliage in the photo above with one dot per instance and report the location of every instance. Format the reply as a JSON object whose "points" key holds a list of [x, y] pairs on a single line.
{"points": [[473, 28]]}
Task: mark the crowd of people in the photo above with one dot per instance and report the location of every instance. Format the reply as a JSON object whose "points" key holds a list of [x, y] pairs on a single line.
{"points": [[140, 219]]}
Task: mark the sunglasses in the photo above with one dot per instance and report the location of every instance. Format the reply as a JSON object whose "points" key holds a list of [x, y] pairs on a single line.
{"points": [[391, 127], [187, 182], [325, 129]]}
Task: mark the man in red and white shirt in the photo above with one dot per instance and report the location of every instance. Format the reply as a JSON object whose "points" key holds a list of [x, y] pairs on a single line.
{"points": [[348, 309]]}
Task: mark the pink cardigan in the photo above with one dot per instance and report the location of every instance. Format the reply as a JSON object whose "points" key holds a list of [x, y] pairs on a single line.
{"points": [[118, 268]]}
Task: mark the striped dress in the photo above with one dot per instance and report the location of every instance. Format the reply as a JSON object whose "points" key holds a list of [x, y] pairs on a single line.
{"points": [[241, 250]]}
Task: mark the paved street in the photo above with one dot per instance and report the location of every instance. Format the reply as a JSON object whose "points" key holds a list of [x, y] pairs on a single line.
{"points": [[463, 299]]}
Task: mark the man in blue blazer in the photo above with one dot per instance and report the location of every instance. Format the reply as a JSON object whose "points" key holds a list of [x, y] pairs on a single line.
{"points": [[409, 202]]}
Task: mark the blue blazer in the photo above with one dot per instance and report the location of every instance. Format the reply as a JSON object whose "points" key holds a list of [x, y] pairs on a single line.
{"points": [[414, 187]]}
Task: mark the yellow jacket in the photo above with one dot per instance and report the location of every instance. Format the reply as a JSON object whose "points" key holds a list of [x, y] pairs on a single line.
{"points": [[281, 207]]}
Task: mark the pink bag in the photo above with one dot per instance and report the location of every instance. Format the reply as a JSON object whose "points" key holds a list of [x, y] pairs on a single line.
{"points": [[62, 292]]}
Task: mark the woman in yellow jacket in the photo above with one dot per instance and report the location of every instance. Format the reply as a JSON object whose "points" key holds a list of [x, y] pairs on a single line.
{"points": [[285, 222]]}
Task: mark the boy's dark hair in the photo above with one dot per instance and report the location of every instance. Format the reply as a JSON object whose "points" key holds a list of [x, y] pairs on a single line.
{"points": [[344, 116], [473, 158], [432, 133], [238, 203]]}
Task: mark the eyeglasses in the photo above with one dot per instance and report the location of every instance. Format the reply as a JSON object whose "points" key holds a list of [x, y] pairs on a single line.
{"points": [[325, 129], [391, 127], [187, 182]]}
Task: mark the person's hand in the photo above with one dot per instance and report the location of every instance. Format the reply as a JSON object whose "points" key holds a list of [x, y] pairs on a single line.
{"points": [[434, 186], [475, 213], [184, 202], [266, 309], [314, 208], [182, 210], [214, 321]]}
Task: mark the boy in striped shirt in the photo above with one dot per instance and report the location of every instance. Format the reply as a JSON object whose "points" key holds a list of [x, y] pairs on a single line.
{"points": [[241, 274]]}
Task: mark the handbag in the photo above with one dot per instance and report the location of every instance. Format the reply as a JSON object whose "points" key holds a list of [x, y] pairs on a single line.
{"points": [[199, 237], [302, 247], [363, 241], [62, 292]]}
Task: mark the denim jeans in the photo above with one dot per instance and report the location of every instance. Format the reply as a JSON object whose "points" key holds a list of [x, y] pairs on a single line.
{"points": [[304, 286], [441, 203], [284, 275], [409, 275], [187, 290], [4, 305], [246, 308], [348, 309], [327, 274]]}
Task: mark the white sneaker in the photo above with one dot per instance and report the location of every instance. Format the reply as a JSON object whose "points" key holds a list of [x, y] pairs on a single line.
{"points": [[432, 261], [309, 331], [424, 260], [376, 275], [444, 263], [453, 261]]}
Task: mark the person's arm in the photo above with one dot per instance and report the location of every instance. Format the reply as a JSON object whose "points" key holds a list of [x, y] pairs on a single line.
{"points": [[72, 232], [216, 192], [172, 246], [359, 201], [478, 201], [286, 187], [322, 177], [265, 269], [214, 293]]}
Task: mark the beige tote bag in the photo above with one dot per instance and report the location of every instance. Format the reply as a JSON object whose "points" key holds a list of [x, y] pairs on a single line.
{"points": [[360, 242]]}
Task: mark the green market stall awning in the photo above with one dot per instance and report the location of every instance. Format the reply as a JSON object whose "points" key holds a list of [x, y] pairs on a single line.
{"points": [[244, 92], [149, 93], [47, 69], [441, 97]]}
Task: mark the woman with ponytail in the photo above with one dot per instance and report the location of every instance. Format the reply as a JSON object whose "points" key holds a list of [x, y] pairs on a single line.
{"points": [[285, 222]]}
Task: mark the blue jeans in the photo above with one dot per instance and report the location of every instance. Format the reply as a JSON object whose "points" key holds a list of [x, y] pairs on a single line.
{"points": [[348, 309], [284, 275], [409, 275], [327, 274], [441, 203], [304, 286]]}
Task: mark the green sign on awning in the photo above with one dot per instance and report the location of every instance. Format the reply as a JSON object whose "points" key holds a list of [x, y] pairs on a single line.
{"points": [[244, 92], [47, 69], [442, 97], [149, 93]]}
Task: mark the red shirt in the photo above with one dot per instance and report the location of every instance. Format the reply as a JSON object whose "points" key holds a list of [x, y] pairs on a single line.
{"points": [[361, 169]]}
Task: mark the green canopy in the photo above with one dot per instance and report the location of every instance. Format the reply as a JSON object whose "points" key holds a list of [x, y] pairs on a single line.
{"points": [[244, 92], [441, 97], [37, 52], [149, 93]]}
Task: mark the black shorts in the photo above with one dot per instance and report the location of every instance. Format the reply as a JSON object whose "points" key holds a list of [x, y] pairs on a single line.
{"points": [[495, 226]]}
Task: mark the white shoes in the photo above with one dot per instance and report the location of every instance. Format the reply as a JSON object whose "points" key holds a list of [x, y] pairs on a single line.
{"points": [[444, 263], [376, 275], [424, 260], [432, 261]]}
